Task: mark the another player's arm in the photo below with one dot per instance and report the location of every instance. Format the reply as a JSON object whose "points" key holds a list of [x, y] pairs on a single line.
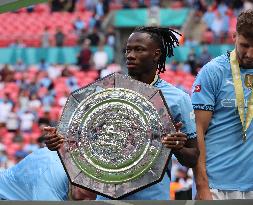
{"points": [[188, 155], [203, 119], [53, 140], [186, 151], [78, 193]]}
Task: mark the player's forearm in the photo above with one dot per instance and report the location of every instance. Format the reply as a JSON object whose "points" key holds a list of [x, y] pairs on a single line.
{"points": [[199, 170], [187, 156], [200, 175]]}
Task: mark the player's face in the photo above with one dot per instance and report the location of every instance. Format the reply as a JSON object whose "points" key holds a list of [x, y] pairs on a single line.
{"points": [[142, 54], [244, 50]]}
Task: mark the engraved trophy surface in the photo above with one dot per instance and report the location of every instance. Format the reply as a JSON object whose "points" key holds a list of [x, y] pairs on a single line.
{"points": [[113, 130]]}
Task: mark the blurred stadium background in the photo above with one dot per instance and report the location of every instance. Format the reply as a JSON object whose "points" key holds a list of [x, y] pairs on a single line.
{"points": [[48, 50]]}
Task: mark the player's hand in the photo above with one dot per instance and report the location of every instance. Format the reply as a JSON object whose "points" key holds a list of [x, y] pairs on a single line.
{"points": [[204, 194], [176, 140], [53, 140]]}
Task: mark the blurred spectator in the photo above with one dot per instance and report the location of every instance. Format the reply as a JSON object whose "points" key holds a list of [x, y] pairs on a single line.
{"points": [[94, 37], [58, 5], [70, 5], [20, 66], [6, 74], [53, 72], [71, 81], [6, 105], [31, 147], [111, 68], [12, 121], [154, 2], [204, 56], [43, 65], [48, 99], [27, 119], [79, 25], [90, 4], [199, 6], [19, 155], [208, 17], [222, 8], [190, 42], [45, 81], [217, 27], [30, 8], [100, 58], [94, 21], [142, 4], [174, 65], [192, 61], [34, 103], [63, 99], [126, 4], [106, 6], [3, 157], [82, 36], [33, 87], [66, 72], [207, 37], [110, 37], [186, 68], [99, 9], [237, 6], [45, 38], [18, 137], [225, 27], [59, 37], [84, 57], [72, 84], [18, 44], [23, 99]]}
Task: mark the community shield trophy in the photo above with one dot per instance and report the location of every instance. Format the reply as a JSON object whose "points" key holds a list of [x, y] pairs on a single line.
{"points": [[113, 130]]}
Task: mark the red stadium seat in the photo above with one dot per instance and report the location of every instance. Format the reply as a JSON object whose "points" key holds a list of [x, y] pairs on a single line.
{"points": [[30, 26]]}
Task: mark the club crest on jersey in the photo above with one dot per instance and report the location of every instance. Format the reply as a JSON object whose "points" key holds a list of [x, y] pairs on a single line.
{"points": [[197, 88]]}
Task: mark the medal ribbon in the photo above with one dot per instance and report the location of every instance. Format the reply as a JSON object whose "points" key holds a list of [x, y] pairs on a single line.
{"points": [[240, 95]]}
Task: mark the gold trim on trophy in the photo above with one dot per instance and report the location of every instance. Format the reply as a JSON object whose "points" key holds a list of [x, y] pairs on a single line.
{"points": [[248, 81]]}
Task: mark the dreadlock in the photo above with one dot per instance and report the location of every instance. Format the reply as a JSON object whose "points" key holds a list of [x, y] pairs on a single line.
{"points": [[166, 39]]}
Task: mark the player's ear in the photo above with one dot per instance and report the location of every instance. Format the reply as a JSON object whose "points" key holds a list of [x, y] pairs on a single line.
{"points": [[157, 54]]}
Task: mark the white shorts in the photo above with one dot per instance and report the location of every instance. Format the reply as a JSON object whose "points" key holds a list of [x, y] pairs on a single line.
{"points": [[223, 195]]}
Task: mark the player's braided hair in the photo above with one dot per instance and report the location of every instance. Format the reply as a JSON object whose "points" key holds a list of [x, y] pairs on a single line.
{"points": [[166, 39]]}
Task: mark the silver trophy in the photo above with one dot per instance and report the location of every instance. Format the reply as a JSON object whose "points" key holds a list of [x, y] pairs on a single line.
{"points": [[113, 130]]}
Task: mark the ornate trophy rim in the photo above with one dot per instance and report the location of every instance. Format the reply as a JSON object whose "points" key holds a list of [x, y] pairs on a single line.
{"points": [[103, 150]]}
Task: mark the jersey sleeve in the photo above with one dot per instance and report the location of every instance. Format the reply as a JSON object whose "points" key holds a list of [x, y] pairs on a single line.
{"points": [[186, 116], [204, 89]]}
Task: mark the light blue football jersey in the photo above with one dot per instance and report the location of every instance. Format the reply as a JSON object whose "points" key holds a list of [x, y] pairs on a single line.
{"points": [[229, 161], [181, 110], [39, 176]]}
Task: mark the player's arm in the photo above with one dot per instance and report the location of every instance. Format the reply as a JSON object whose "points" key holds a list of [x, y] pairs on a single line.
{"points": [[188, 155], [203, 119], [78, 193], [185, 150]]}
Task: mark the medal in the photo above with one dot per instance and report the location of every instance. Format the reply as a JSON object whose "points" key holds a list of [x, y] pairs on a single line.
{"points": [[245, 117], [248, 81]]}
